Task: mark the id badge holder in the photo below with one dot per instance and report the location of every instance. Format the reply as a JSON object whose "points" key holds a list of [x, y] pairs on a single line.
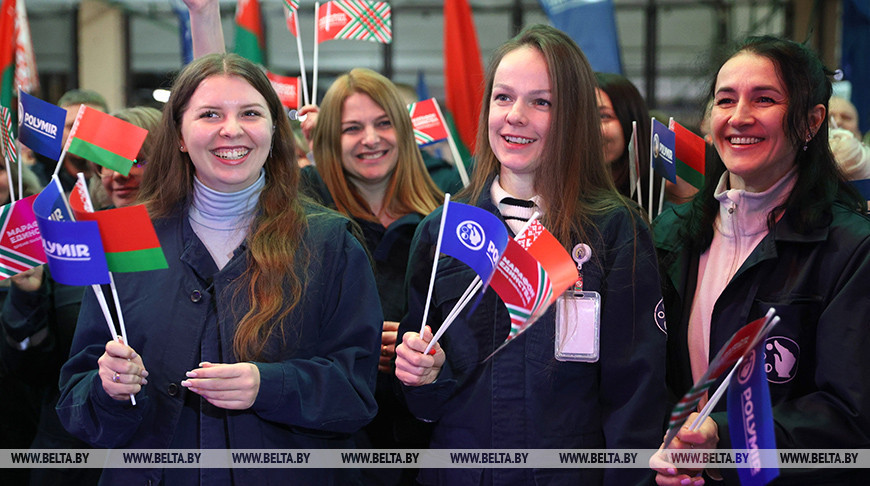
{"points": [[578, 322]]}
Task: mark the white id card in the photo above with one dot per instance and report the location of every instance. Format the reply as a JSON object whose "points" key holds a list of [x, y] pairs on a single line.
{"points": [[578, 319]]}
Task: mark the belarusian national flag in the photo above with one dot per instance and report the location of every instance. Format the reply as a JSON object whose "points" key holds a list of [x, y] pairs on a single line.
{"points": [[250, 38], [7, 52], [690, 151], [105, 140], [523, 285], [429, 127], [354, 20], [128, 236], [287, 88]]}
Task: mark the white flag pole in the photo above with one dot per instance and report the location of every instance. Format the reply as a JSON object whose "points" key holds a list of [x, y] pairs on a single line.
{"points": [[9, 176], [473, 287], [651, 167], [89, 207], [301, 58], [435, 262], [316, 53]]}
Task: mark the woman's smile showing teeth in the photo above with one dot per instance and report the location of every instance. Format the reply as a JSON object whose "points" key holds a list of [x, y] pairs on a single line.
{"points": [[744, 140], [231, 154], [519, 140]]}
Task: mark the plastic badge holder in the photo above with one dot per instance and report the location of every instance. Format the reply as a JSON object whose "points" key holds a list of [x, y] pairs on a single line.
{"points": [[577, 326]]}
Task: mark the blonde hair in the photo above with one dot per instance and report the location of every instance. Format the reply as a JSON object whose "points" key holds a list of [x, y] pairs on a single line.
{"points": [[410, 189]]}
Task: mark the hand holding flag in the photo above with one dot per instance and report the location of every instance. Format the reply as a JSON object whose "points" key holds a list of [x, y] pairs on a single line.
{"points": [[738, 346]]}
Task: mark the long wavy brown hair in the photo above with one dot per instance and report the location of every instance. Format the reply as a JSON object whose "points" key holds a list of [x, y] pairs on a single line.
{"points": [[410, 189], [274, 245], [572, 178]]}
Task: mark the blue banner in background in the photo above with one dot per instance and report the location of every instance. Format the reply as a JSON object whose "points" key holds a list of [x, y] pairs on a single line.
{"points": [[183, 30], [750, 418], [592, 25]]}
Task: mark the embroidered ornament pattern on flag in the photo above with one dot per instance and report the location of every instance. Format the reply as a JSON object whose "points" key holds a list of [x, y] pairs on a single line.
{"points": [[128, 236], [9, 149], [20, 242], [428, 125], [355, 20], [523, 285], [105, 140]]}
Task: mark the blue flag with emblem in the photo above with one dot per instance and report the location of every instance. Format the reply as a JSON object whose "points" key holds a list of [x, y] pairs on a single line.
{"points": [[40, 125], [750, 419], [662, 143], [474, 236], [73, 249]]}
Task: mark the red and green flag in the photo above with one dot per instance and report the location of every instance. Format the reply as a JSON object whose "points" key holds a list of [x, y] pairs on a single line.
{"points": [[690, 152], [105, 140], [128, 236], [250, 36], [354, 20]]}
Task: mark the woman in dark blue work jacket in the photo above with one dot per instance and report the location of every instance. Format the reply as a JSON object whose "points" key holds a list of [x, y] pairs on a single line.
{"points": [[264, 331], [539, 148], [777, 226]]}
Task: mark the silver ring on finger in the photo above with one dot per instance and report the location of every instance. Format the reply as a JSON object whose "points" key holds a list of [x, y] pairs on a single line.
{"points": [[116, 377]]}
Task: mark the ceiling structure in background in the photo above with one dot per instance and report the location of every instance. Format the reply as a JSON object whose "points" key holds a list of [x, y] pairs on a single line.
{"points": [[666, 45]]}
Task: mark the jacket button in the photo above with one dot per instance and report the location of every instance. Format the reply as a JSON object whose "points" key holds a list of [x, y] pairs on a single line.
{"points": [[195, 296], [172, 389]]}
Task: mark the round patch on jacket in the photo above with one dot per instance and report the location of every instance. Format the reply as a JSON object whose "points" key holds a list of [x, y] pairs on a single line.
{"points": [[781, 356], [659, 316]]}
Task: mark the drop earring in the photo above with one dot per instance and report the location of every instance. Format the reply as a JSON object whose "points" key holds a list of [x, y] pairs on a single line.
{"points": [[809, 137]]}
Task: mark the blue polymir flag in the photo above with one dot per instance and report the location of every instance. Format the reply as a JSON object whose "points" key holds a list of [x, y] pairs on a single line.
{"points": [[750, 419], [40, 125], [73, 249], [662, 143], [592, 25], [474, 236]]}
